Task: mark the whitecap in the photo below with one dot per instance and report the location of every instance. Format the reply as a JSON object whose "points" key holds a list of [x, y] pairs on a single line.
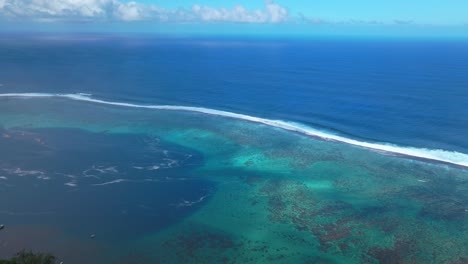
{"points": [[71, 184], [169, 163], [99, 170], [151, 168], [21, 172], [105, 170], [187, 203], [68, 175], [111, 182], [444, 156]]}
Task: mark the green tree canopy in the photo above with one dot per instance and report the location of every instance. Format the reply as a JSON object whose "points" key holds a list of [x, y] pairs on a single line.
{"points": [[28, 257]]}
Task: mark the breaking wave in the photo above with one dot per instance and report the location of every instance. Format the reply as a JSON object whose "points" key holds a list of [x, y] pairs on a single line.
{"points": [[438, 155]]}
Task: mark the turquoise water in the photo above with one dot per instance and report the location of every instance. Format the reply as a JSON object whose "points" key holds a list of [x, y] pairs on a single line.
{"points": [[160, 186]]}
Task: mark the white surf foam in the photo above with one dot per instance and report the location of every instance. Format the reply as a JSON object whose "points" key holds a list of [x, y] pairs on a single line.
{"points": [[111, 182], [71, 184], [186, 203], [123, 181], [22, 173], [451, 157]]}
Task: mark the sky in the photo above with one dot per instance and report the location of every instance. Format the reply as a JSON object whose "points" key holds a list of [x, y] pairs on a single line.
{"points": [[268, 17]]}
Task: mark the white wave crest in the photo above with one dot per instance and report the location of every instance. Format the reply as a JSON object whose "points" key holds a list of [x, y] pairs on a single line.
{"points": [[111, 182], [450, 157], [22, 173], [187, 203], [71, 184]]}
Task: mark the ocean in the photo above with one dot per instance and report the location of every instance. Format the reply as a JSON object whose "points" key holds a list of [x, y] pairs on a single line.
{"points": [[158, 149]]}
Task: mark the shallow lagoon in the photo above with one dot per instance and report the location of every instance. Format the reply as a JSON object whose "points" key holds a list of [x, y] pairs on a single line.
{"points": [[159, 186]]}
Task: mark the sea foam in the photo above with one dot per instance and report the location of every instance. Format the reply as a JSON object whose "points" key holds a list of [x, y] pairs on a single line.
{"points": [[439, 155]]}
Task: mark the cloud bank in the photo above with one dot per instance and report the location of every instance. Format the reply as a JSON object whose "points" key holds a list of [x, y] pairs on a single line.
{"points": [[114, 10]]}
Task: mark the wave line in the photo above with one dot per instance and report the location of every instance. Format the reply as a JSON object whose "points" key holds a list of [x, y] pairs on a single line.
{"points": [[438, 155]]}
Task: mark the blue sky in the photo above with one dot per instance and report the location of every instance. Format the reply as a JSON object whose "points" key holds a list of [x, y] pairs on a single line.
{"points": [[279, 17]]}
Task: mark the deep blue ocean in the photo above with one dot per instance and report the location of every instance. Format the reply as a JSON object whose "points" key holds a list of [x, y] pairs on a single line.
{"points": [[406, 92]]}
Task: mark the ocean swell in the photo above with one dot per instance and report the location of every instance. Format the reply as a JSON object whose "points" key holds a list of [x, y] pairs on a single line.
{"points": [[438, 155]]}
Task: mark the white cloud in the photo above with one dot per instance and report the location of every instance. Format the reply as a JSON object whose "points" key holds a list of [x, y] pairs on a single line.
{"points": [[54, 9], [115, 10], [275, 12], [131, 11]]}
